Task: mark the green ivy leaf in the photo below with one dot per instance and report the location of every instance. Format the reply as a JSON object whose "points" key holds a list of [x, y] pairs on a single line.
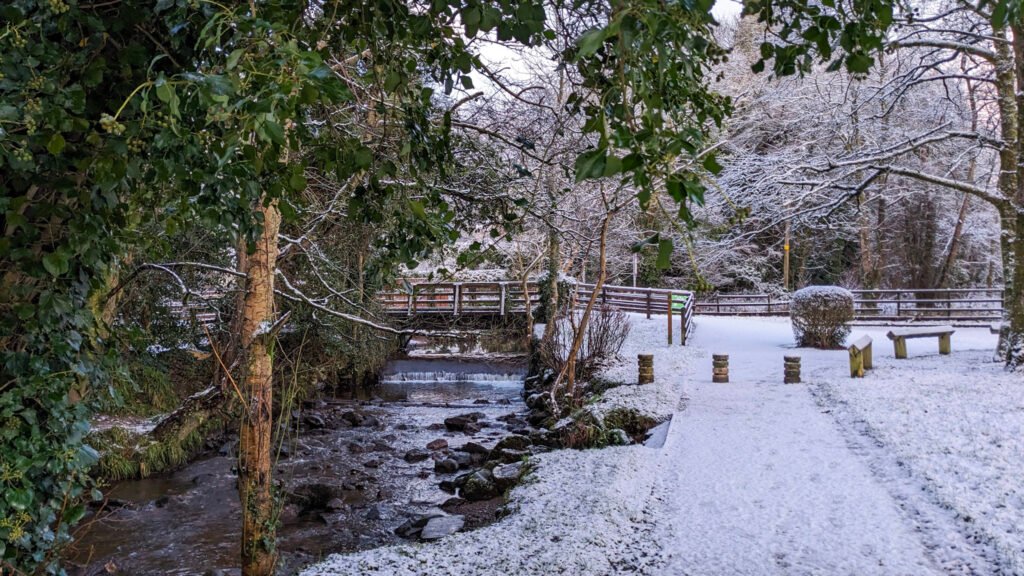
{"points": [[56, 263], [56, 144], [859, 63], [664, 253], [590, 41], [590, 164], [711, 164], [418, 209]]}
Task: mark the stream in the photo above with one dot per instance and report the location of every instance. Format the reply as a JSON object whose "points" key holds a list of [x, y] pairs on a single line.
{"points": [[357, 468]]}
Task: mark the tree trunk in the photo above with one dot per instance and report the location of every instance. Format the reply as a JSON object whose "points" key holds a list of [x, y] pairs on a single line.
{"points": [[254, 467], [581, 330], [1009, 74], [1014, 273], [554, 262]]}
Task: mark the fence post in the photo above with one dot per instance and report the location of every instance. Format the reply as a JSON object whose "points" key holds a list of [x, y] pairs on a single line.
{"points": [[648, 305], [457, 295], [949, 306], [682, 325], [769, 304], [898, 298], [670, 319], [502, 296]]}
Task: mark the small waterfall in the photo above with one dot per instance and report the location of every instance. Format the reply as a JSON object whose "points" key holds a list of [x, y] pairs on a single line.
{"points": [[444, 376]]}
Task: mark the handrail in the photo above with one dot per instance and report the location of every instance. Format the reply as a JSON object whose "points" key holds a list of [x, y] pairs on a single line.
{"points": [[508, 297]]}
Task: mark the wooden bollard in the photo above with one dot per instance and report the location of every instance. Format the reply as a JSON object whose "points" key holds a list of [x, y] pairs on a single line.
{"points": [[645, 367], [792, 369], [720, 368]]}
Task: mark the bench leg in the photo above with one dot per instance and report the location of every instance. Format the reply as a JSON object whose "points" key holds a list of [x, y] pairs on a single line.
{"points": [[945, 346], [900, 345], [868, 362]]}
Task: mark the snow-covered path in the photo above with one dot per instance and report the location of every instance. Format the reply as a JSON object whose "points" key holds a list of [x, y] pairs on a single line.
{"points": [[763, 481], [770, 485]]}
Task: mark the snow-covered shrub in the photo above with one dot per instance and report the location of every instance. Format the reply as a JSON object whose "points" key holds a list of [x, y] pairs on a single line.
{"points": [[821, 316], [605, 334]]}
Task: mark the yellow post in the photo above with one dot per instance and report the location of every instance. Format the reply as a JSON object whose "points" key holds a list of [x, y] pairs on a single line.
{"points": [[856, 362], [785, 259]]}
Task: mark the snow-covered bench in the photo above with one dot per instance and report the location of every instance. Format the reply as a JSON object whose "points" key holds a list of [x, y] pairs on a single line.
{"points": [[860, 356], [899, 338]]}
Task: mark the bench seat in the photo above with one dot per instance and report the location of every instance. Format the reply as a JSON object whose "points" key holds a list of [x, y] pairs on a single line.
{"points": [[899, 338]]}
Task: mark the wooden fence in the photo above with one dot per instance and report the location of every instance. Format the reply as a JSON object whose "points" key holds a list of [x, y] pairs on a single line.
{"points": [[502, 298], [459, 298], [947, 305]]}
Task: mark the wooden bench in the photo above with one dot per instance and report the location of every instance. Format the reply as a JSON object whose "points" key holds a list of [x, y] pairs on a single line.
{"points": [[899, 338], [860, 356]]}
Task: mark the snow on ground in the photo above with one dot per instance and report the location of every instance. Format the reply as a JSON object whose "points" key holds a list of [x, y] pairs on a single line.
{"points": [[778, 487], [956, 425], [580, 512], [912, 470]]}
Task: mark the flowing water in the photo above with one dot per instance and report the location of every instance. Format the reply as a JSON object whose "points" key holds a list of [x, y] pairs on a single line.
{"points": [[346, 487]]}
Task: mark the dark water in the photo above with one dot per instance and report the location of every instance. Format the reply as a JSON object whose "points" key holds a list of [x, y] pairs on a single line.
{"points": [[188, 522]]}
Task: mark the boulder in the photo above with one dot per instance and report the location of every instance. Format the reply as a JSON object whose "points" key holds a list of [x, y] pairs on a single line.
{"points": [[457, 423], [439, 444], [413, 526], [473, 448], [446, 466], [543, 438], [507, 456], [437, 528], [313, 421], [416, 455], [463, 459], [461, 422], [353, 418], [381, 446], [513, 442], [508, 474], [480, 485]]}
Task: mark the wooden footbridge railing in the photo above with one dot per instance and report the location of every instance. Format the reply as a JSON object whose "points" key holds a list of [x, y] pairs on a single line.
{"points": [[505, 298]]}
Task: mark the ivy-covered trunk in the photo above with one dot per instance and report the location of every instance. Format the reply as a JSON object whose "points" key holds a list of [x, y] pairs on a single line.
{"points": [[254, 471], [1014, 275]]}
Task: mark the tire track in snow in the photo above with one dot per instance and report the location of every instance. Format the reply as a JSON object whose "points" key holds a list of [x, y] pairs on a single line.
{"points": [[948, 540]]}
